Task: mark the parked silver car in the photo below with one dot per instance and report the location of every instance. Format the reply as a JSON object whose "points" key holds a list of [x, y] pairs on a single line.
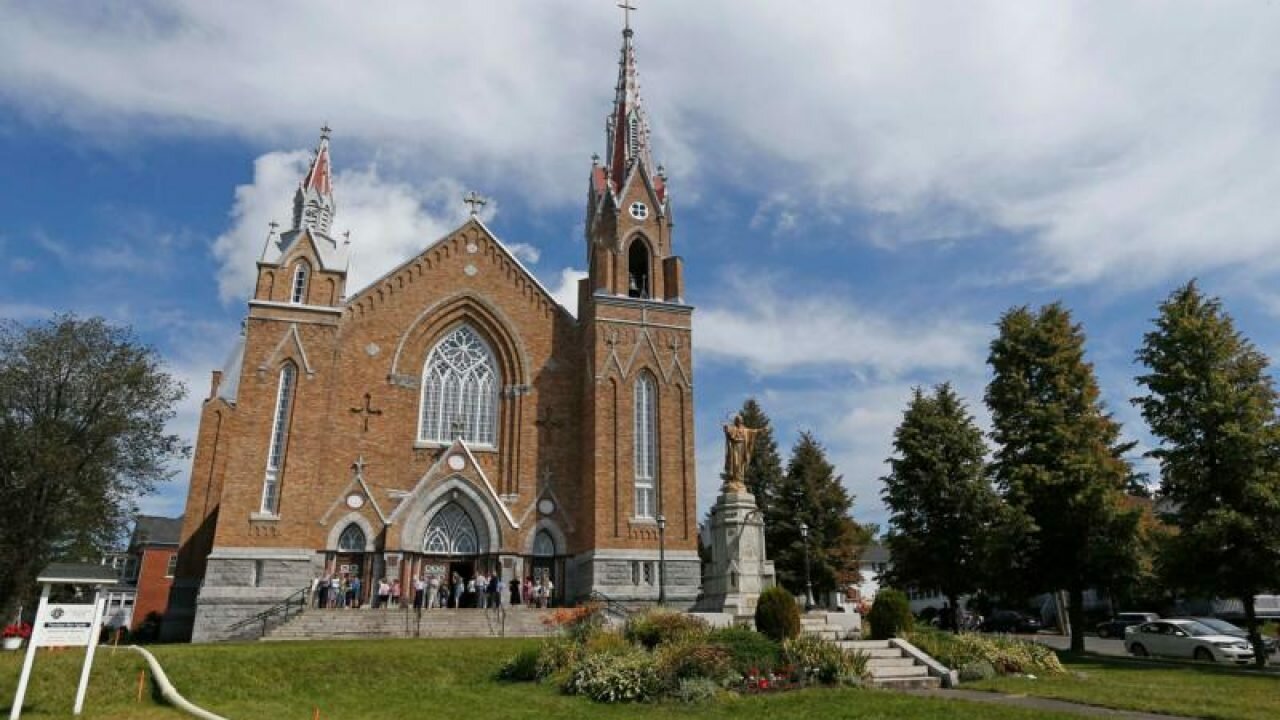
{"points": [[1186, 639]]}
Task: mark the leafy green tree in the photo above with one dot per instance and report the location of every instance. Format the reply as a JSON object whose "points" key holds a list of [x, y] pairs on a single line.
{"points": [[811, 493], [1212, 405], [1059, 459], [83, 409], [941, 504]]}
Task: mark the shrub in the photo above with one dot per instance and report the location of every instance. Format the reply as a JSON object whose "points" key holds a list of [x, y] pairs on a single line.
{"points": [[1004, 654], [578, 622], [748, 649], [695, 690], [655, 627], [977, 670], [890, 615], [605, 642], [521, 667], [777, 615], [627, 677], [682, 661], [823, 661], [556, 657]]}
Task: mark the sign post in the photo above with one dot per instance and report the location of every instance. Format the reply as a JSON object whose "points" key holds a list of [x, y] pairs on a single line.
{"points": [[66, 624]]}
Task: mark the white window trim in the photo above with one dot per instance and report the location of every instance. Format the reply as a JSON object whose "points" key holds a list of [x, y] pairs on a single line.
{"points": [[494, 396], [301, 280], [645, 444], [277, 443]]}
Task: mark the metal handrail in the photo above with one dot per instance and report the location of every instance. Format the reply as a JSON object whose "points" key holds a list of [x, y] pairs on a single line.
{"points": [[296, 602], [611, 605]]}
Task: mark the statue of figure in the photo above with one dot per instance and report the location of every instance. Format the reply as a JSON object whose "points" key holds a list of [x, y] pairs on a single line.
{"points": [[739, 442]]}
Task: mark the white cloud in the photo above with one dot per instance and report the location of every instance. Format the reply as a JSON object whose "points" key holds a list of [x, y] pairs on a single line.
{"points": [[1115, 141], [525, 252], [772, 329], [565, 290], [389, 220]]}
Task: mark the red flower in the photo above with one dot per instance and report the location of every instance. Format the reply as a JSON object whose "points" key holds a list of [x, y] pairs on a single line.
{"points": [[19, 630]]}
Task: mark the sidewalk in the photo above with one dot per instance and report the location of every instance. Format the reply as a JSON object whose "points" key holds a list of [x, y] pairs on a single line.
{"points": [[1035, 703]]}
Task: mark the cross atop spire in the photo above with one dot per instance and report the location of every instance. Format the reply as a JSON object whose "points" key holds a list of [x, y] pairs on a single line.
{"points": [[475, 200], [626, 16]]}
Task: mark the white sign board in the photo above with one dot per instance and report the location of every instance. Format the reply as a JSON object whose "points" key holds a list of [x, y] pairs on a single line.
{"points": [[66, 625]]}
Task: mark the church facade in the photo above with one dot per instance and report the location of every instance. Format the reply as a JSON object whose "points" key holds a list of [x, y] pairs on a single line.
{"points": [[451, 417]]}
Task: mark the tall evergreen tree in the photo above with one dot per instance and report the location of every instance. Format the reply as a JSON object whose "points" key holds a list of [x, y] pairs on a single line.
{"points": [[941, 504], [1212, 405], [811, 493], [1059, 459]]}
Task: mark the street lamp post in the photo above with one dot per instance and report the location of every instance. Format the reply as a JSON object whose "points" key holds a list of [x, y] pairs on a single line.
{"points": [[808, 581], [662, 559]]}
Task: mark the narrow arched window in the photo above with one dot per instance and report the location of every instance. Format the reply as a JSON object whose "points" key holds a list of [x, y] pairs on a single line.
{"points": [[646, 460], [638, 269], [298, 293], [633, 136], [543, 544], [279, 439], [352, 539], [460, 391]]}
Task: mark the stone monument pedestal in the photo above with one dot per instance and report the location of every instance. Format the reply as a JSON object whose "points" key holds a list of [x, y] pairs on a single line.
{"points": [[739, 571]]}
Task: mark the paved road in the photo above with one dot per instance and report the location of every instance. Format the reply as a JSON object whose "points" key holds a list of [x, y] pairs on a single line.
{"points": [[1092, 643]]}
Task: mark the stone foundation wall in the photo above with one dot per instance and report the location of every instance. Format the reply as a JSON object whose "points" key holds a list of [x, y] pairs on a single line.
{"points": [[631, 576], [242, 582]]}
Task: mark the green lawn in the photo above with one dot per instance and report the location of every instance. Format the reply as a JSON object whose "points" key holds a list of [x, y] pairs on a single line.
{"points": [[395, 679], [1180, 689]]}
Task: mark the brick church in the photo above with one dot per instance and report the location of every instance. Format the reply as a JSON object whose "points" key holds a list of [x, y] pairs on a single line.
{"points": [[452, 417]]}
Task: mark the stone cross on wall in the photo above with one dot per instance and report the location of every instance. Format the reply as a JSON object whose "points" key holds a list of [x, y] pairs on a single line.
{"points": [[366, 411], [548, 424]]}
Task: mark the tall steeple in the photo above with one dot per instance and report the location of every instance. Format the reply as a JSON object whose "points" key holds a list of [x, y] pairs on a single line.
{"points": [[313, 205], [628, 126]]}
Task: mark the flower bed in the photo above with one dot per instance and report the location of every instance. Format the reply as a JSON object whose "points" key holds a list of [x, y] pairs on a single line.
{"points": [[662, 655], [977, 657]]}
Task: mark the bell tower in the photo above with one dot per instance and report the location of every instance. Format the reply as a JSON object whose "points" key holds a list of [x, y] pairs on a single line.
{"points": [[637, 405]]}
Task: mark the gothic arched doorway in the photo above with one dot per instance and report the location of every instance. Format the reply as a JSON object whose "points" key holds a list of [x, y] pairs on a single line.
{"points": [[454, 551], [546, 566]]}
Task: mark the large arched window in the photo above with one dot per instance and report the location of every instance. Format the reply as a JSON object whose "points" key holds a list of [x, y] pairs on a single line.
{"points": [[460, 391], [279, 439], [645, 444], [352, 539], [452, 532], [638, 269], [301, 273]]}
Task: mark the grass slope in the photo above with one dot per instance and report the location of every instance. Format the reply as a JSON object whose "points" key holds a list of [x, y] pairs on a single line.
{"points": [[1194, 690], [395, 679]]}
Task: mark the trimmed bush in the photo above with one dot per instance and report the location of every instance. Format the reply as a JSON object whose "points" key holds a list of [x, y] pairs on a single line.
{"points": [[656, 627], [682, 661], [628, 677], [748, 649], [521, 667], [890, 615], [777, 615]]}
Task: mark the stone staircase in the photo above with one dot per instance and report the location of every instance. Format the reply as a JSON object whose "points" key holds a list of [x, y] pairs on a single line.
{"points": [[831, 626], [893, 666], [315, 624]]}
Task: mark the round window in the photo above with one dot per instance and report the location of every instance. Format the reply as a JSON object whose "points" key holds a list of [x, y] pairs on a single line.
{"points": [[639, 210]]}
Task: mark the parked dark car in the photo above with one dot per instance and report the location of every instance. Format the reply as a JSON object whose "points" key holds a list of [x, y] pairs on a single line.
{"points": [[1011, 621], [1116, 626], [1227, 628]]}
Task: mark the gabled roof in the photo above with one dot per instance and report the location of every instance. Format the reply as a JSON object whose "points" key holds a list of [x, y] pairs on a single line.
{"points": [[334, 256]]}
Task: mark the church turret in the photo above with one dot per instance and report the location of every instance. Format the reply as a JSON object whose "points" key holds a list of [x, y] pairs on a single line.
{"points": [[305, 265], [629, 212]]}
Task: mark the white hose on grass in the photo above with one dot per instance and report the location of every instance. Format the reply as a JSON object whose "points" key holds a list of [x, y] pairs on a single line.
{"points": [[168, 692]]}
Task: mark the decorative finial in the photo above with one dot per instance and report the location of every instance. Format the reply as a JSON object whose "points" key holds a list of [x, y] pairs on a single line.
{"points": [[595, 158], [346, 237], [662, 172], [273, 225], [475, 201], [626, 16], [324, 131]]}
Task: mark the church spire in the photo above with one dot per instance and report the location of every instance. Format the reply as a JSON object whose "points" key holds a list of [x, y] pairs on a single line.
{"points": [[313, 204], [628, 126]]}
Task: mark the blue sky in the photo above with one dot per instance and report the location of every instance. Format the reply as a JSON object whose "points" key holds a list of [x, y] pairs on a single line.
{"points": [[860, 189]]}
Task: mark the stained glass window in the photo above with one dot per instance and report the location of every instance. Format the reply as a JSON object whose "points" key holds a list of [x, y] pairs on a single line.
{"points": [[645, 445], [543, 545], [460, 391], [279, 430], [452, 532], [352, 539]]}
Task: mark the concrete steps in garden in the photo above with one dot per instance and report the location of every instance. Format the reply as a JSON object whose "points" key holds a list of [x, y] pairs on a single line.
{"points": [[891, 666], [831, 626], [316, 624]]}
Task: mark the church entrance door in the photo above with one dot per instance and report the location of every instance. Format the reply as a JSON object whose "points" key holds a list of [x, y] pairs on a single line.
{"points": [[453, 543]]}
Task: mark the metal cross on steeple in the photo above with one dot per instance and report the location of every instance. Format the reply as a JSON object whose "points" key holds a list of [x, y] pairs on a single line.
{"points": [[324, 131], [626, 15], [475, 200]]}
